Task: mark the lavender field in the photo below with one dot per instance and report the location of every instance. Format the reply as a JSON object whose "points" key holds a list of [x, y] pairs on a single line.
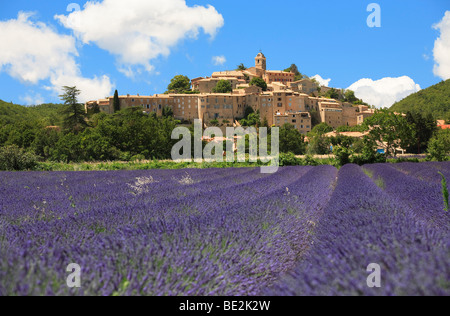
{"points": [[301, 231]]}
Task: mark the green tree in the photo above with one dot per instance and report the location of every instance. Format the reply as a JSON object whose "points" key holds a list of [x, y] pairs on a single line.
{"points": [[116, 102], [241, 67], [321, 129], [291, 140], [349, 96], [13, 158], [167, 112], [318, 145], [247, 111], [424, 128], [253, 119], [179, 84], [74, 114], [223, 86], [95, 109], [332, 94], [214, 122], [294, 69], [259, 82], [439, 146], [390, 131]]}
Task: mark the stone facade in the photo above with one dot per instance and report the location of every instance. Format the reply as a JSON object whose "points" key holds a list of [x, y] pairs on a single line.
{"points": [[285, 101]]}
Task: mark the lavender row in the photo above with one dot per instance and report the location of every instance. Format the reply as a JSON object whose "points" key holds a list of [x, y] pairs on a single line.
{"points": [[423, 198], [427, 171], [364, 225], [230, 250]]}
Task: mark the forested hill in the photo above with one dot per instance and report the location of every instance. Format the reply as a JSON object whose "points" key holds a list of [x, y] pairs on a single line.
{"points": [[48, 114], [434, 100]]}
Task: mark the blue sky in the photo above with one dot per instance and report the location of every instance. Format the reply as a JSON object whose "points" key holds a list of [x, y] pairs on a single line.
{"points": [[326, 38]]}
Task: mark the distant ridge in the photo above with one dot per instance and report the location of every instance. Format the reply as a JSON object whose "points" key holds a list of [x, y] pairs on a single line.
{"points": [[46, 113], [434, 100]]}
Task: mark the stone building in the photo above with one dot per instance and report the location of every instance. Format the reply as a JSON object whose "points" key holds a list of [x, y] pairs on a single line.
{"points": [[284, 102]]}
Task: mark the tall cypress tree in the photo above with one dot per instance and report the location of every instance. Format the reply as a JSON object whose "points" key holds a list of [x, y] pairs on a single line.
{"points": [[116, 103]]}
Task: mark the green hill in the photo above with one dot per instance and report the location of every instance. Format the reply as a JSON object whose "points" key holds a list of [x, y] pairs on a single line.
{"points": [[48, 114], [434, 100]]}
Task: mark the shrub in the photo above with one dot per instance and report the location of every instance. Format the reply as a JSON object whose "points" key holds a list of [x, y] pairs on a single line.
{"points": [[445, 194], [439, 146], [310, 161], [138, 158], [342, 155], [289, 159], [13, 158]]}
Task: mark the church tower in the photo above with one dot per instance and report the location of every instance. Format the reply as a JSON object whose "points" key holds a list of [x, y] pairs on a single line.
{"points": [[261, 62]]}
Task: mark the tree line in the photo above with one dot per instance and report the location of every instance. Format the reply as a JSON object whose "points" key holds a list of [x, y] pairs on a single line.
{"points": [[131, 134]]}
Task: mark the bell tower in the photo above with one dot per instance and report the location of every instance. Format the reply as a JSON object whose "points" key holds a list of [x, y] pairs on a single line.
{"points": [[261, 62]]}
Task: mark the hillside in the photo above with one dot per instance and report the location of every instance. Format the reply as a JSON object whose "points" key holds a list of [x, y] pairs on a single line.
{"points": [[46, 113], [434, 100]]}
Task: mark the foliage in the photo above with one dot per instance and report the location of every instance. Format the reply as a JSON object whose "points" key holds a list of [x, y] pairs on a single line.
{"points": [[439, 146], [390, 131], [241, 67], [445, 194], [247, 111], [368, 154], [253, 119], [167, 111], [434, 100], [74, 114], [424, 127], [294, 69], [332, 94], [13, 158], [179, 85], [321, 129], [291, 140], [44, 114], [214, 122], [223, 86], [116, 102], [349, 96], [342, 155], [318, 145], [259, 82], [289, 159]]}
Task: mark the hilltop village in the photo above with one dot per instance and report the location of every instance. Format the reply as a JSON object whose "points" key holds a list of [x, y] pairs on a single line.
{"points": [[280, 100]]}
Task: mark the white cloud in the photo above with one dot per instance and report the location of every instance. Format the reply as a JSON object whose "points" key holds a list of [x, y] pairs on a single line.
{"points": [[219, 60], [442, 48], [137, 31], [322, 82], [384, 92], [34, 52]]}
